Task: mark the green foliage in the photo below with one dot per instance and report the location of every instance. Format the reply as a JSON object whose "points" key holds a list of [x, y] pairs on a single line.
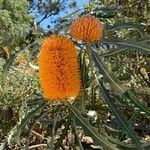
{"points": [[116, 90], [99, 139], [119, 116], [15, 22], [130, 45]]}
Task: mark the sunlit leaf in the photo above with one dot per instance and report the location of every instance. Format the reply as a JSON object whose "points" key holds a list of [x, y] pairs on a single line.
{"points": [[129, 45]]}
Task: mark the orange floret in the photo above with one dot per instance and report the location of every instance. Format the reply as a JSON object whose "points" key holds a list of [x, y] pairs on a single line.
{"points": [[58, 68], [87, 28]]}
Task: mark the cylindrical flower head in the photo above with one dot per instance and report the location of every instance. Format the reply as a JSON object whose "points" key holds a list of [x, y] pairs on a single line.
{"points": [[58, 68], [87, 28]]}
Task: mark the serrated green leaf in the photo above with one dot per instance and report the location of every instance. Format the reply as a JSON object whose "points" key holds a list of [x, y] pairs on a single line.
{"points": [[107, 10], [76, 134], [35, 101], [124, 146], [99, 139], [112, 130], [130, 45], [126, 127], [143, 90], [14, 134], [113, 52], [118, 86], [130, 98], [128, 25]]}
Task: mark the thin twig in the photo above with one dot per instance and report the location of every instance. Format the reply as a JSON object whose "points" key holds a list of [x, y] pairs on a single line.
{"points": [[38, 145], [39, 135]]}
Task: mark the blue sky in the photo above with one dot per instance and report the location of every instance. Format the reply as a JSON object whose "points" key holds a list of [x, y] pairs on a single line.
{"points": [[48, 21], [81, 3]]}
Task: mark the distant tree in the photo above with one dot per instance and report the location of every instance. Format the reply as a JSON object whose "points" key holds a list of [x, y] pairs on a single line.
{"points": [[15, 22], [45, 9], [123, 11]]}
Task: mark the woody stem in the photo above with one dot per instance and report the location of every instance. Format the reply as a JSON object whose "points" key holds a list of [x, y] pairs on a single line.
{"points": [[88, 47]]}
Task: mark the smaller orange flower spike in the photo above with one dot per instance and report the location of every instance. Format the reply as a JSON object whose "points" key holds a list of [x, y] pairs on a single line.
{"points": [[5, 53], [87, 28], [58, 68]]}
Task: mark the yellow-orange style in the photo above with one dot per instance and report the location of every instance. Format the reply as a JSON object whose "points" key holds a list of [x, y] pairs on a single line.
{"points": [[87, 28], [58, 68]]}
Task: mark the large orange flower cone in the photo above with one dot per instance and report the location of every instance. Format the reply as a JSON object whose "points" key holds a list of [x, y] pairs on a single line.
{"points": [[58, 68]]}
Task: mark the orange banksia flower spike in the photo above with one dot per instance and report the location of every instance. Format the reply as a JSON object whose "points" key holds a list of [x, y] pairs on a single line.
{"points": [[5, 53], [58, 68], [87, 28]]}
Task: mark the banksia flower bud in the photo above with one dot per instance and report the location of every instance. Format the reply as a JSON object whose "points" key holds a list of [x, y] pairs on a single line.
{"points": [[58, 68], [87, 28]]}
